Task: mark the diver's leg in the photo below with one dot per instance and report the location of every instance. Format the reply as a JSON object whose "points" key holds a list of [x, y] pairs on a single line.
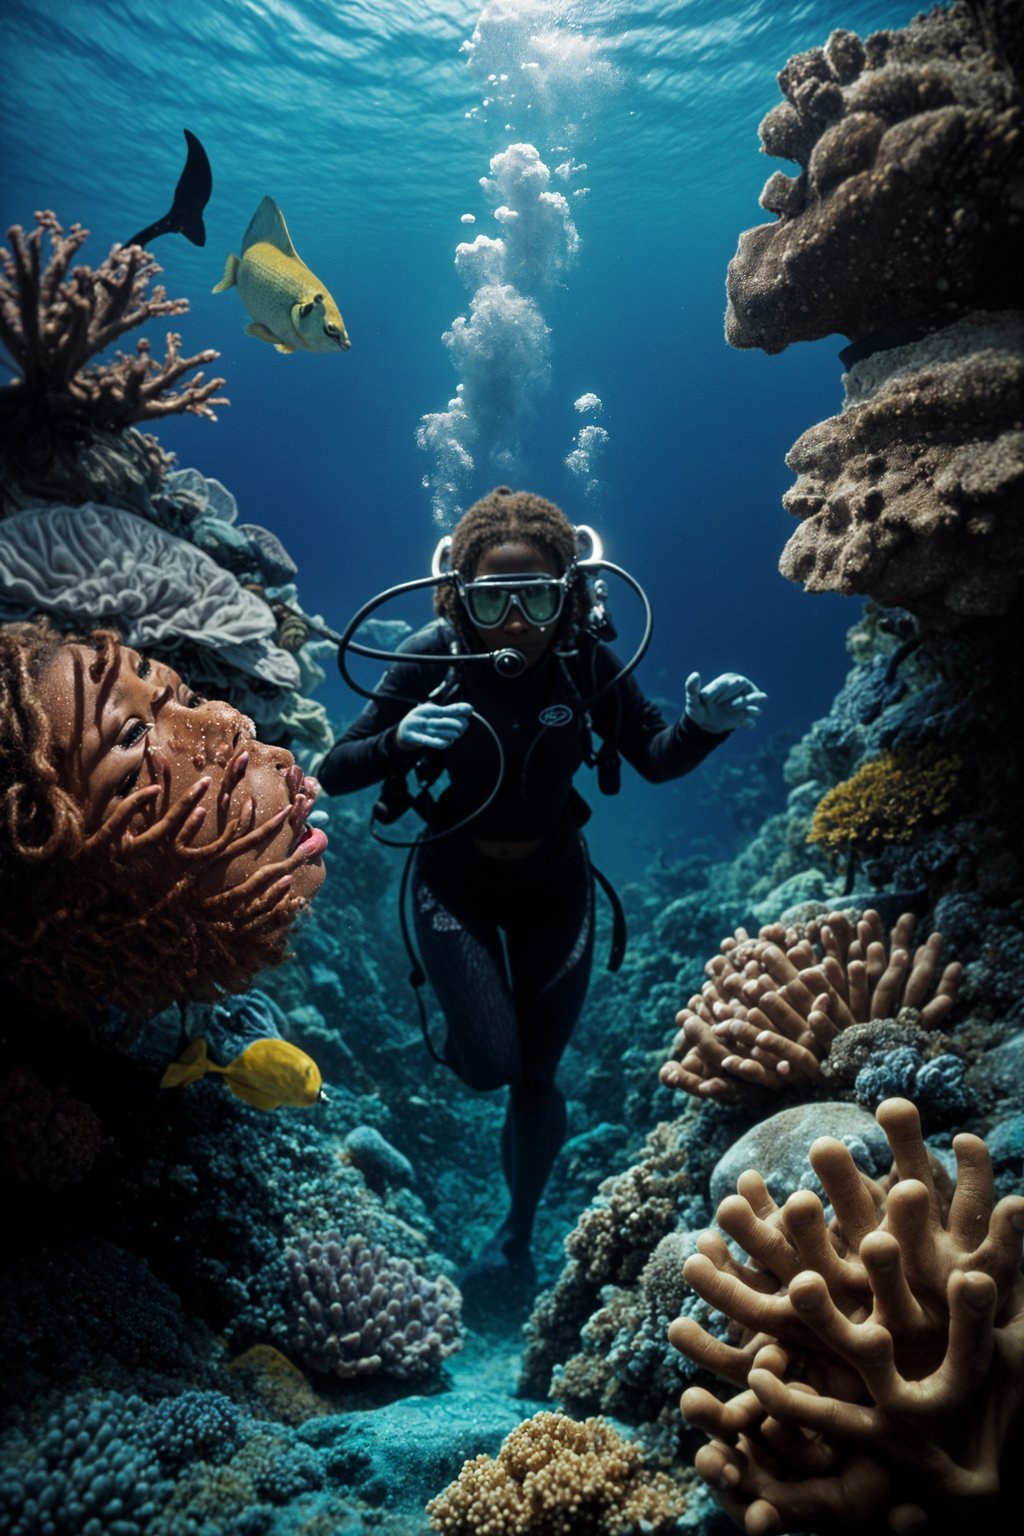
{"points": [[550, 959], [462, 955]]}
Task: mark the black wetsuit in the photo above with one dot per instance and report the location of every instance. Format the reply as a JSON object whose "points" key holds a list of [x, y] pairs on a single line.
{"points": [[508, 944]]}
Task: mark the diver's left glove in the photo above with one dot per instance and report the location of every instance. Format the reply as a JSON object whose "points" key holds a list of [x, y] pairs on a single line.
{"points": [[725, 703], [431, 725]]}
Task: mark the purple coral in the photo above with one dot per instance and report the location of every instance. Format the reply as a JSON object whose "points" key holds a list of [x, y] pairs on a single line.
{"points": [[359, 1311]]}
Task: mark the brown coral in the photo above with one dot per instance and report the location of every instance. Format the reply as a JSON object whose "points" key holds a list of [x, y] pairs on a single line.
{"points": [[48, 1139], [556, 1477], [772, 1005], [880, 1361], [912, 494], [66, 415], [910, 150]]}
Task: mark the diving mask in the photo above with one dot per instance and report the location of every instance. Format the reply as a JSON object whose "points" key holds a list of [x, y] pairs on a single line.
{"points": [[539, 598]]}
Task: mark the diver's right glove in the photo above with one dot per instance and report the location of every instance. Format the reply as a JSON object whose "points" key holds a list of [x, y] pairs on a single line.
{"points": [[432, 725]]}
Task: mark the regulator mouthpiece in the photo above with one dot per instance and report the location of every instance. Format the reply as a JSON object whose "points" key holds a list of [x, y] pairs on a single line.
{"points": [[509, 663]]}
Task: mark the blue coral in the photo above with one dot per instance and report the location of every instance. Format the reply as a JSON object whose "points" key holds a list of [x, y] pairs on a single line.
{"points": [[93, 1471], [203, 1426], [937, 1087]]}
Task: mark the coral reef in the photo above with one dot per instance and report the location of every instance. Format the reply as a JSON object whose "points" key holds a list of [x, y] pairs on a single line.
{"points": [[64, 419], [609, 1245], [879, 1361], [554, 1477], [885, 801], [359, 1311], [911, 494], [772, 1005], [910, 150]]}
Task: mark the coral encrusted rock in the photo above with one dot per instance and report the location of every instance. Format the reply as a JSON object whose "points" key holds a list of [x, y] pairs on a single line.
{"points": [[907, 199], [912, 494]]}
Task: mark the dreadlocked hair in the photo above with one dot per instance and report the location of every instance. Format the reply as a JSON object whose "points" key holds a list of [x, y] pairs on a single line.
{"points": [[89, 920], [505, 516]]}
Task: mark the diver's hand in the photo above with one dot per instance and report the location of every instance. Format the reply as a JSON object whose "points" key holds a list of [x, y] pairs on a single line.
{"points": [[724, 703], [432, 725]]}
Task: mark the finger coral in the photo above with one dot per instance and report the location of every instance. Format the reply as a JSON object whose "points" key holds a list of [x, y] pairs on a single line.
{"points": [[65, 417], [886, 801], [879, 1360], [358, 1311], [772, 1005], [556, 1477]]}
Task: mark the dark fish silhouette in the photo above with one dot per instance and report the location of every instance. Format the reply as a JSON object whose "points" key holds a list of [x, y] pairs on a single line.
{"points": [[191, 196]]}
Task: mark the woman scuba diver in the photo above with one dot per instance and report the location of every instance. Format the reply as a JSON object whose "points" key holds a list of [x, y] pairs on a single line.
{"points": [[502, 886]]}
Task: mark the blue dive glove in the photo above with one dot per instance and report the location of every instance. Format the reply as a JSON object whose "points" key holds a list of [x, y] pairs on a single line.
{"points": [[725, 703], [432, 725]]}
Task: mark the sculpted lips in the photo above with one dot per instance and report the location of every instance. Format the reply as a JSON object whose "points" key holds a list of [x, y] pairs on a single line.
{"points": [[302, 792]]}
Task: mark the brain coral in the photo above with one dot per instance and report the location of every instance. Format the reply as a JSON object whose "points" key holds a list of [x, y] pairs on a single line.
{"points": [[910, 155], [554, 1477], [358, 1311], [911, 495]]}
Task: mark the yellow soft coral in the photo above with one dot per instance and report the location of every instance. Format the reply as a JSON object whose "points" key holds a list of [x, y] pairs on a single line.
{"points": [[772, 1005], [886, 801], [881, 1365], [556, 1477]]}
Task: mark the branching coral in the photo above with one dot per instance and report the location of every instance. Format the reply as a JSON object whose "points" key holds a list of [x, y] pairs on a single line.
{"points": [[772, 1005], [64, 417], [359, 1311], [880, 1360], [886, 801], [555, 1477]]}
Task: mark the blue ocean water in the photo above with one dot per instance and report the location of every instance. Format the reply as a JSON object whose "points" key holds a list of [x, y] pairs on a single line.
{"points": [[372, 124]]}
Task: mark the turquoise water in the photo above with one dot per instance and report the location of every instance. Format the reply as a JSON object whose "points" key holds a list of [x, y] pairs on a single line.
{"points": [[372, 126]]}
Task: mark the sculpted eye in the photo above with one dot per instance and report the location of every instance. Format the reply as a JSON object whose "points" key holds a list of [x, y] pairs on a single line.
{"points": [[144, 667], [135, 732]]}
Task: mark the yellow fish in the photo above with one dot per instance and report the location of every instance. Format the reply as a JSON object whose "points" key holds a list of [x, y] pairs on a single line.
{"points": [[268, 1073], [290, 307]]}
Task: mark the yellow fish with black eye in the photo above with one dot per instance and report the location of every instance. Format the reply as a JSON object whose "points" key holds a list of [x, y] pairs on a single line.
{"points": [[267, 1074], [290, 307]]}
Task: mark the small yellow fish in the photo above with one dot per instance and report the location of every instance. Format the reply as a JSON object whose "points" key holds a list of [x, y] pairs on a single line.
{"points": [[268, 1073], [290, 307]]}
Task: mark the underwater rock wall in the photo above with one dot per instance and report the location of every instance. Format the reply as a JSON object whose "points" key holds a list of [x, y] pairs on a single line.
{"points": [[903, 231]]}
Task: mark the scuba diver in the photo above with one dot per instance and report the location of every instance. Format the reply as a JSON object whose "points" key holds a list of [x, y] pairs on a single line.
{"points": [[502, 888]]}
